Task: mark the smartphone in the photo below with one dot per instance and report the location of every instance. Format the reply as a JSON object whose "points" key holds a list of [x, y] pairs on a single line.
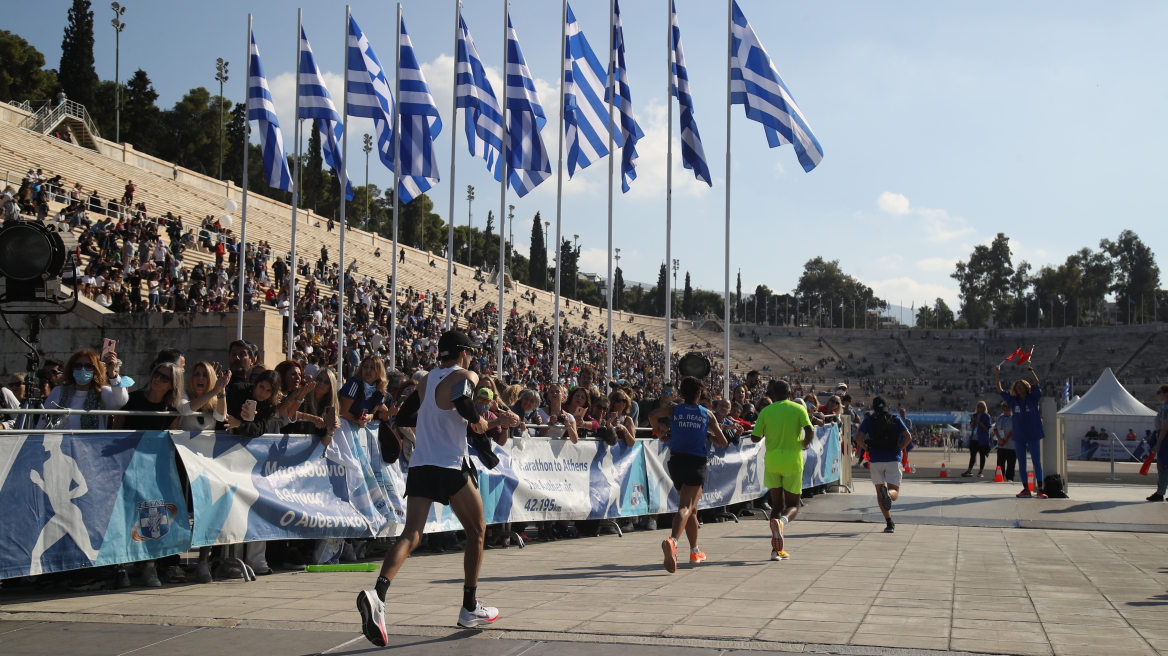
{"points": [[250, 404], [108, 346]]}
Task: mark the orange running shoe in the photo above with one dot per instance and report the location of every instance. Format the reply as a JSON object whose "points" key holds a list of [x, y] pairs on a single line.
{"points": [[696, 557], [669, 546]]}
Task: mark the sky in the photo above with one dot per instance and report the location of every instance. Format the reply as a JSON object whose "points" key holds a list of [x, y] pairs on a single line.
{"points": [[942, 124]]}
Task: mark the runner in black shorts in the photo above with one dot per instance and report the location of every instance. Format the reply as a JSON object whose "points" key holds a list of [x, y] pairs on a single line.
{"points": [[689, 424]]}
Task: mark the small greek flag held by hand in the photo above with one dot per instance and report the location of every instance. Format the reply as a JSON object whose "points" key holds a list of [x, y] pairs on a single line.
{"points": [[261, 109], [755, 83]]}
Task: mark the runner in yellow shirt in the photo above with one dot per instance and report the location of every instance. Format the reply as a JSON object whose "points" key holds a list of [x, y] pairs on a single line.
{"points": [[788, 433]]}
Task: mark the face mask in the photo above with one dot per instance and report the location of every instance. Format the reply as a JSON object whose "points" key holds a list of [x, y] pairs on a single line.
{"points": [[83, 376]]}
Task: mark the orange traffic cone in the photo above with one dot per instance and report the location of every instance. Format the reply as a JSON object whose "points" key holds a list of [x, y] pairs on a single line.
{"points": [[1030, 481], [998, 478], [908, 468], [944, 471]]}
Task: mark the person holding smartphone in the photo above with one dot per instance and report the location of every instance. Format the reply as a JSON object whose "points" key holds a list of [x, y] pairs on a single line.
{"points": [[363, 397], [560, 423]]}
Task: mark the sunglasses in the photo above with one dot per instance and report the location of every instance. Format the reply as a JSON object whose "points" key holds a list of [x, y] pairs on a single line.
{"points": [[158, 375], [79, 367]]}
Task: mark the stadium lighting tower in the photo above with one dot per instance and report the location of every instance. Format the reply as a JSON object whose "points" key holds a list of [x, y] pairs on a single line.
{"points": [[221, 77], [368, 148], [546, 225], [469, 229], [119, 11]]}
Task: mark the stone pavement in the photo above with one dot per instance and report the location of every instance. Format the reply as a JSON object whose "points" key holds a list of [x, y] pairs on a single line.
{"points": [[849, 588]]}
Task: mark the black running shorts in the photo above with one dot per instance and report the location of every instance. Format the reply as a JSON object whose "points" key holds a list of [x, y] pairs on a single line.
{"points": [[686, 469], [435, 483]]}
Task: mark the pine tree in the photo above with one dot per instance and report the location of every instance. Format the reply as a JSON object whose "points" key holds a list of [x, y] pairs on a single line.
{"points": [[568, 270], [77, 75], [312, 176], [140, 114], [537, 269], [618, 288], [659, 297], [687, 300], [738, 307]]}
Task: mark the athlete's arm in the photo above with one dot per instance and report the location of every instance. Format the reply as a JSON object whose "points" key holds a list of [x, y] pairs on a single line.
{"points": [[462, 398], [860, 437], [905, 438], [808, 436], [716, 435], [407, 415]]}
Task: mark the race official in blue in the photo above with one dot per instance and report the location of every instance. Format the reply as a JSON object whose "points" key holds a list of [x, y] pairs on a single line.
{"points": [[1025, 401]]}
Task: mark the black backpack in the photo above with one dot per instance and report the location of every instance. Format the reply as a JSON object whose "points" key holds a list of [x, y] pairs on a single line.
{"points": [[885, 433], [1054, 487]]}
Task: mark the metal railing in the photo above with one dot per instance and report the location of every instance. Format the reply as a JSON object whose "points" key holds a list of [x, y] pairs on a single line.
{"points": [[50, 116]]}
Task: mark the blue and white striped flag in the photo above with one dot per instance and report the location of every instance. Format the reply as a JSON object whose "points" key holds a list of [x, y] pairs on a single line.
{"points": [[369, 95], [261, 109], [420, 125], [484, 118], [316, 103], [630, 131], [526, 155], [693, 156], [755, 83], [1067, 390], [585, 112]]}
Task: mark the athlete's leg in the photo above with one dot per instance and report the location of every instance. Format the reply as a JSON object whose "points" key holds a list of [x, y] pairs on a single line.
{"points": [[687, 509], [894, 491], [468, 508], [417, 509], [691, 527], [778, 503], [792, 502]]}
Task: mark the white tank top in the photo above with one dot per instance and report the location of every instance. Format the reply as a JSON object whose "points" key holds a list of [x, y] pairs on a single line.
{"points": [[441, 434]]}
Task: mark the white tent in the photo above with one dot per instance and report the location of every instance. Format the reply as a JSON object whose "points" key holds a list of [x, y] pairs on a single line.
{"points": [[1106, 405]]}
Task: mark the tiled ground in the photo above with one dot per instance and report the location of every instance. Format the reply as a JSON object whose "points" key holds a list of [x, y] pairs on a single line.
{"points": [[989, 590]]}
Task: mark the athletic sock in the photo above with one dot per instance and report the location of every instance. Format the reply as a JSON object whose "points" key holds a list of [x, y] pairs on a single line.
{"points": [[382, 587], [468, 598], [784, 521]]}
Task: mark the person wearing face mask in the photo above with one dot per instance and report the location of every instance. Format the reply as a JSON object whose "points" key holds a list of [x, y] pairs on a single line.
{"points": [[89, 382], [363, 396]]}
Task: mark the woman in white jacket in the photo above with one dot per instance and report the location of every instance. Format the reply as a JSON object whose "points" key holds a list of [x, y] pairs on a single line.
{"points": [[88, 382]]}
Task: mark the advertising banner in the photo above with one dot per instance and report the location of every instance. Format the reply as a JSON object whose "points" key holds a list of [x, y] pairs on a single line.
{"points": [[74, 501]]}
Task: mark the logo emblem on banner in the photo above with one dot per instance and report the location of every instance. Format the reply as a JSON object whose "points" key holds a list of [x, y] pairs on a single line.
{"points": [[154, 520], [638, 496]]}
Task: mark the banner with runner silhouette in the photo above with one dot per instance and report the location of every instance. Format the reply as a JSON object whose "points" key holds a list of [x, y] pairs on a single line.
{"points": [[74, 501]]}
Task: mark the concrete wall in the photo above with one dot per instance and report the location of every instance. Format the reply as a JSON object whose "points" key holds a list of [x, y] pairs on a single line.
{"points": [[141, 336]]}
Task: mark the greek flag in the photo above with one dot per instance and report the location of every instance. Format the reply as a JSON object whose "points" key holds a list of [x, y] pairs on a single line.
{"points": [[484, 118], [585, 113], [1067, 390], [420, 125], [755, 83], [316, 103], [631, 132], [526, 154], [693, 156], [260, 108], [369, 94]]}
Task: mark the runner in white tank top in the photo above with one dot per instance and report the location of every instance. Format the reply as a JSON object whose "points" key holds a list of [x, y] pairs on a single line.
{"points": [[439, 471]]}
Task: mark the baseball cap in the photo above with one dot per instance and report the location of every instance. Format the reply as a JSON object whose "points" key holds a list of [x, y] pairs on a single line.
{"points": [[453, 341], [879, 403], [485, 393]]}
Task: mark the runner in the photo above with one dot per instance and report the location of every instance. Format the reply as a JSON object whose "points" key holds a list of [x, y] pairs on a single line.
{"points": [[782, 423], [686, 433], [439, 472], [884, 435]]}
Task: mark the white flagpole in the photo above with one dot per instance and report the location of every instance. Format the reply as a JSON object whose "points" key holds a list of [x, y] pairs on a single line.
{"points": [[453, 154], [729, 55], [343, 178], [502, 207], [612, 88], [396, 176], [668, 186], [560, 192], [296, 200], [241, 264]]}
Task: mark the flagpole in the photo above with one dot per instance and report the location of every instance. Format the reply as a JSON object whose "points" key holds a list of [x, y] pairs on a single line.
{"points": [[343, 179], [453, 154], [560, 192], [296, 199], [241, 264], [668, 186], [726, 310], [503, 206], [396, 175], [611, 156]]}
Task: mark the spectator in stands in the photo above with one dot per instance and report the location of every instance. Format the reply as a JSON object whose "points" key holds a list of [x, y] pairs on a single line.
{"points": [[89, 382], [10, 401], [205, 393], [263, 403], [560, 423], [618, 420], [364, 395]]}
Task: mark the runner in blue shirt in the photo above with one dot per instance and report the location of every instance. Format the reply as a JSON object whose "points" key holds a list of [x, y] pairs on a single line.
{"points": [[979, 439], [1026, 402]]}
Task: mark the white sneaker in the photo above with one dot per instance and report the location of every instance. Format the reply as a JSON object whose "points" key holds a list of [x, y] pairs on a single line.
{"points": [[775, 555], [372, 612], [150, 575], [203, 572], [481, 615], [777, 538], [779, 555]]}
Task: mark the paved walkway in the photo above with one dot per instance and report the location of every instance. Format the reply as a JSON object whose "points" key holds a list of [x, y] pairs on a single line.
{"points": [[963, 589]]}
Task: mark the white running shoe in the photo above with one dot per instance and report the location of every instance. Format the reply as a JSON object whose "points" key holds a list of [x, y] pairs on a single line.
{"points": [[150, 575], [775, 555], [780, 555], [777, 542], [481, 615], [372, 612]]}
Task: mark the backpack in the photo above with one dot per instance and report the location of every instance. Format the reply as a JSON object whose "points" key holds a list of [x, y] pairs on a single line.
{"points": [[885, 434], [1054, 487]]}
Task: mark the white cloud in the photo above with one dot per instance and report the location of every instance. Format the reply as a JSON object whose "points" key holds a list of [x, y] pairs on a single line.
{"points": [[937, 225], [941, 264], [905, 290], [594, 260]]}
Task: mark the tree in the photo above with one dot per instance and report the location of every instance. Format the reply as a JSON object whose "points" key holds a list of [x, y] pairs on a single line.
{"points": [[985, 282], [762, 295], [538, 255], [140, 115], [825, 280], [938, 316], [77, 76], [659, 295], [233, 146], [1136, 275], [687, 299], [22, 71], [312, 172], [570, 268], [618, 288], [190, 132]]}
